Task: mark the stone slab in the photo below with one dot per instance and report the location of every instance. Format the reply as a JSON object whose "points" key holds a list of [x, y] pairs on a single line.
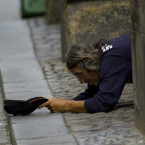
{"points": [[7, 43], [28, 95], [3, 134], [19, 63], [11, 53], [57, 140], [45, 118], [10, 36], [15, 28], [4, 130], [24, 74], [16, 51], [28, 127], [31, 86], [9, 10]]}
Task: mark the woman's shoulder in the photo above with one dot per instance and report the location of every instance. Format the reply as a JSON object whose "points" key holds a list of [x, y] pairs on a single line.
{"points": [[121, 42], [120, 46]]}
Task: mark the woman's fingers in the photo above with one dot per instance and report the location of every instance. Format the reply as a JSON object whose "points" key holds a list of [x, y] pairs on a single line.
{"points": [[44, 105]]}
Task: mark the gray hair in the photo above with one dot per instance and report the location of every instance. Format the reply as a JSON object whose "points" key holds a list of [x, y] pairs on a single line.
{"points": [[85, 56]]}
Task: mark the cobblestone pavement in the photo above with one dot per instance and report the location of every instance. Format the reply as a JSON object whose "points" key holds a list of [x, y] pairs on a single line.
{"points": [[4, 128], [113, 128]]}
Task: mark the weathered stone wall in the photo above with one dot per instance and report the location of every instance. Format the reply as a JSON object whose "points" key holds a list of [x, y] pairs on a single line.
{"points": [[138, 56], [87, 21], [53, 11]]}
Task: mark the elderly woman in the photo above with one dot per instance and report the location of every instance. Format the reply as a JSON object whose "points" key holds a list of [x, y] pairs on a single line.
{"points": [[105, 67]]}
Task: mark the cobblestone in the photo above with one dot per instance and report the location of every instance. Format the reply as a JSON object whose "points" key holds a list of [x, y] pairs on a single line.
{"points": [[4, 128], [113, 128]]}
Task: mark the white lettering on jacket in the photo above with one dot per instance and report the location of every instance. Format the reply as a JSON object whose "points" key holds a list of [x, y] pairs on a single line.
{"points": [[106, 47]]}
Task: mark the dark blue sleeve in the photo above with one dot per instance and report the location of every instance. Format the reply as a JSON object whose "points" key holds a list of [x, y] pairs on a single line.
{"points": [[89, 92], [114, 74]]}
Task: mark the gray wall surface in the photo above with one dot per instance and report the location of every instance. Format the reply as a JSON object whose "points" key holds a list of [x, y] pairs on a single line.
{"points": [[138, 56]]}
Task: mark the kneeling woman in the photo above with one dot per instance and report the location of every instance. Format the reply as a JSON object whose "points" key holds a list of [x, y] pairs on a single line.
{"points": [[105, 66]]}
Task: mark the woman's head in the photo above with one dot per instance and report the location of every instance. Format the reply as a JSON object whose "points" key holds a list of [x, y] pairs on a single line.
{"points": [[85, 57]]}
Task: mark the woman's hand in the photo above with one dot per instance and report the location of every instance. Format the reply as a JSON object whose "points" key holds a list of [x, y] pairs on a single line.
{"points": [[61, 105], [54, 104]]}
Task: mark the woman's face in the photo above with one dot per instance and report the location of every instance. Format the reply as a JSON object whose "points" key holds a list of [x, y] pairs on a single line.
{"points": [[84, 76]]}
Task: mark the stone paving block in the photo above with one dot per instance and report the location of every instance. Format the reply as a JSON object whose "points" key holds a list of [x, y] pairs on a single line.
{"points": [[16, 52], [57, 140], [21, 45], [19, 63], [4, 141], [10, 53], [41, 112], [45, 118], [27, 127], [28, 95], [17, 75], [9, 11], [109, 137], [10, 36], [17, 28], [1, 109], [3, 136], [30, 86]]}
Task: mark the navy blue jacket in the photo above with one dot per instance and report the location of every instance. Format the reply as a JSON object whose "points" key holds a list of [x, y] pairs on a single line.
{"points": [[115, 71]]}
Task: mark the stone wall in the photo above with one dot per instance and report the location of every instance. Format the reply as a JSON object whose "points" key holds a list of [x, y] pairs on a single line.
{"points": [[138, 57], [53, 11], [87, 21]]}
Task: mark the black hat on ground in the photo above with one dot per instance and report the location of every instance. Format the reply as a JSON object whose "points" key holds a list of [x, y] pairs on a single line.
{"points": [[21, 107]]}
